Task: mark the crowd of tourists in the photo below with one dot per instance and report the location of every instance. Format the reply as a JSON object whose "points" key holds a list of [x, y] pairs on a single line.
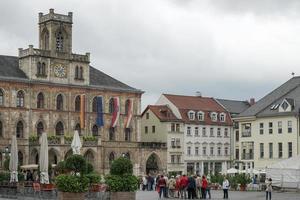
{"points": [[182, 186]]}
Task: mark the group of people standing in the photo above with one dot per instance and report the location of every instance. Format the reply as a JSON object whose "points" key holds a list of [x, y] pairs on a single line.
{"points": [[182, 186]]}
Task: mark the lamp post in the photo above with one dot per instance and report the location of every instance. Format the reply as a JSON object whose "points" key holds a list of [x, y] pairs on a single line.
{"points": [[5, 155]]}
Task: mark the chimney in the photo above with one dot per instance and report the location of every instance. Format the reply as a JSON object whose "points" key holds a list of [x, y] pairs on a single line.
{"points": [[252, 101], [198, 94]]}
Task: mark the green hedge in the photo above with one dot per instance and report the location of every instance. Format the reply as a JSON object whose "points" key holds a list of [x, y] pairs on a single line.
{"points": [[70, 183], [125, 183], [121, 166], [93, 178]]}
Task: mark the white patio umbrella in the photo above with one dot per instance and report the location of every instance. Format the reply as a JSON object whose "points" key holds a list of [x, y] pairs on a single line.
{"points": [[44, 160], [76, 143], [13, 162], [232, 171]]}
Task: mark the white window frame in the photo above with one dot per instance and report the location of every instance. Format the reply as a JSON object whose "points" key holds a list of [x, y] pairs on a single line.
{"points": [[200, 116], [191, 115], [214, 116], [222, 117]]}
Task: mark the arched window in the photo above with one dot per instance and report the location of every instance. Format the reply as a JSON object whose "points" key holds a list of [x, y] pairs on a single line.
{"points": [[59, 41], [76, 72], [77, 103], [111, 157], [59, 102], [20, 99], [46, 40], [43, 69], [40, 100], [39, 129], [111, 105], [77, 128], [20, 158], [111, 133], [1, 97], [127, 105], [20, 129], [1, 130], [81, 73], [95, 130], [94, 104], [39, 68], [59, 129], [127, 155], [127, 134]]}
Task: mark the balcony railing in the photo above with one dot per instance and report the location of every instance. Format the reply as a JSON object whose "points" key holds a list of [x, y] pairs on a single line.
{"points": [[246, 133], [247, 156], [153, 145]]}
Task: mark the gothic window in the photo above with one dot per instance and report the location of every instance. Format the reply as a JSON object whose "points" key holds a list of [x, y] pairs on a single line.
{"points": [[1, 98], [46, 40], [43, 69], [94, 104], [81, 73], [40, 100], [39, 129], [77, 128], [20, 99], [59, 102], [20, 130], [77, 103], [111, 105], [59, 41], [127, 134], [20, 158], [76, 72], [95, 130], [127, 104], [111, 133], [1, 129], [39, 69], [111, 157], [59, 129]]}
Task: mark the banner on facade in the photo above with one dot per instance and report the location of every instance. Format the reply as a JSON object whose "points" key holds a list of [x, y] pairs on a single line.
{"points": [[99, 120], [129, 113], [116, 112], [82, 111]]}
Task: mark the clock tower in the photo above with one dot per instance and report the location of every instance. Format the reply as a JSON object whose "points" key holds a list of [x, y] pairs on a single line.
{"points": [[54, 61]]}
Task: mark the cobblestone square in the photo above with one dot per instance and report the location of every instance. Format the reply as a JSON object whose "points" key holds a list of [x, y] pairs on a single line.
{"points": [[233, 195]]}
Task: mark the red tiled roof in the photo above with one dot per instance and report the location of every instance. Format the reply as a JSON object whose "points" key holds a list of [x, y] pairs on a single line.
{"points": [[163, 112], [194, 103]]}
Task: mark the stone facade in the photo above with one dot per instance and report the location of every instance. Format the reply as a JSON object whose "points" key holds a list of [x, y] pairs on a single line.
{"points": [[31, 84]]}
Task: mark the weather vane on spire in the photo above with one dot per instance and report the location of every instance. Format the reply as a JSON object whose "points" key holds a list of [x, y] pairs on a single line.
{"points": [[293, 74]]}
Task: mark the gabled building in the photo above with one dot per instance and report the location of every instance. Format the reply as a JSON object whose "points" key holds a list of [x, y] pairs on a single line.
{"points": [[268, 131], [206, 127]]}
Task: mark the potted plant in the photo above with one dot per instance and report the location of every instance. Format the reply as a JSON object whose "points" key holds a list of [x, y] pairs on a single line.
{"points": [[121, 182], [243, 180], [74, 183]]}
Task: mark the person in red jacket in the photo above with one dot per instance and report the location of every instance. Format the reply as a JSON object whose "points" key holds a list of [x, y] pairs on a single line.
{"points": [[177, 188], [162, 185], [203, 187], [184, 181]]}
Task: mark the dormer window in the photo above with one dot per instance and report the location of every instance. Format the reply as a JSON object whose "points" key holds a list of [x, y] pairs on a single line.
{"points": [[191, 115], [200, 116], [287, 105], [214, 116], [222, 117]]}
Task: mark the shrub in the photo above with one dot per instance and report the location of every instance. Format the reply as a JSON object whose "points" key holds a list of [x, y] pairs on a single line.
{"points": [[125, 183], [68, 138], [121, 166], [93, 178], [76, 163], [89, 138], [217, 179], [89, 168], [4, 176], [243, 179], [69, 183], [61, 167], [33, 138]]}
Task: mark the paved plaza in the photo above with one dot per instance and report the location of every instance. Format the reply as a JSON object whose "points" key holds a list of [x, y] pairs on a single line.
{"points": [[234, 195]]}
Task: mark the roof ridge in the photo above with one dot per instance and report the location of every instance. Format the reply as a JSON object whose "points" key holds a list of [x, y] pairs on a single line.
{"points": [[187, 96], [245, 101]]}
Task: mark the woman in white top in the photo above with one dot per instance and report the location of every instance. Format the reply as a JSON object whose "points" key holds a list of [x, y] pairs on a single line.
{"points": [[269, 189], [225, 186]]}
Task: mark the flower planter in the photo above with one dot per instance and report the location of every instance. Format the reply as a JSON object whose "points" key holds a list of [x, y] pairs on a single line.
{"points": [[70, 196], [243, 187], [122, 195]]}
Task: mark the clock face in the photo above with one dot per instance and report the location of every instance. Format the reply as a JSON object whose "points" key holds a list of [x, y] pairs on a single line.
{"points": [[60, 71]]}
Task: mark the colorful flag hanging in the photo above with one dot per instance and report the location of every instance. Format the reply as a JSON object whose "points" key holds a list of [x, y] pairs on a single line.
{"points": [[116, 112], [99, 120], [82, 111], [129, 113]]}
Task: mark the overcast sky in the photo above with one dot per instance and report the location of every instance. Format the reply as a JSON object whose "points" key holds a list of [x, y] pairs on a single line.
{"points": [[224, 48]]}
